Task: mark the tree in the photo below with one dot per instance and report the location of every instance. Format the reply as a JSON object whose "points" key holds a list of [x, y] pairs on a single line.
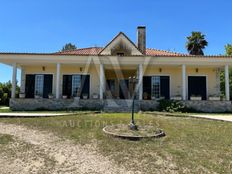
{"points": [[228, 49], [228, 52], [196, 43], [5, 92], [69, 47]]}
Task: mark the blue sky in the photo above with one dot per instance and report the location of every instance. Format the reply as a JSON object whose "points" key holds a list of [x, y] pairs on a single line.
{"points": [[46, 25]]}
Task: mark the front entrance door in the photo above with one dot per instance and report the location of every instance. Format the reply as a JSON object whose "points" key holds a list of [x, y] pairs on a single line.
{"points": [[197, 86], [124, 89]]}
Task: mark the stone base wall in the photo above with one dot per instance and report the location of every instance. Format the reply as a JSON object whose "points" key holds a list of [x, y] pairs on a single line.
{"points": [[55, 104], [111, 105], [148, 105], [209, 106]]}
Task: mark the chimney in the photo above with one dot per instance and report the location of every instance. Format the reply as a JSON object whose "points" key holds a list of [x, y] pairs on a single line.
{"points": [[141, 39]]}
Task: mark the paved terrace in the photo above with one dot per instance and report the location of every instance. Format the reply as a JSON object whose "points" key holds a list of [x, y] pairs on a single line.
{"points": [[219, 117], [209, 116]]}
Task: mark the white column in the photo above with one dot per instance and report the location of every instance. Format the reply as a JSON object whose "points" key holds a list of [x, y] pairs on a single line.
{"points": [[57, 80], [14, 75], [102, 81], [22, 86], [184, 82], [227, 85], [140, 82]]}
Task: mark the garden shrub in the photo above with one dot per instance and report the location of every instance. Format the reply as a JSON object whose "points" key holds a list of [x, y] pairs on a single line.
{"points": [[171, 106], [5, 92]]}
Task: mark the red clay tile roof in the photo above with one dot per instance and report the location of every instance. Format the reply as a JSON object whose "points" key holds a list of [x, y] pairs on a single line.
{"points": [[97, 50], [94, 51], [155, 52], [83, 51]]}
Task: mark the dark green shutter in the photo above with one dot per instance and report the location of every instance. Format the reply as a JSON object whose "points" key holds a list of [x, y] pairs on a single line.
{"points": [[67, 85], [147, 86], [30, 86], [165, 87], [85, 85], [47, 89]]}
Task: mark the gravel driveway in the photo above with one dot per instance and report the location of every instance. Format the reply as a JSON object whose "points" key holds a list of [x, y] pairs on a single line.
{"points": [[34, 151]]}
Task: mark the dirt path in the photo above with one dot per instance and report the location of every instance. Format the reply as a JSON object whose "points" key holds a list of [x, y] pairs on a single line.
{"points": [[35, 151]]}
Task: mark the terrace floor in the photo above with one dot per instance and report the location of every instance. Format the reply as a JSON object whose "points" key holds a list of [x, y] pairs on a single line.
{"points": [[220, 117]]}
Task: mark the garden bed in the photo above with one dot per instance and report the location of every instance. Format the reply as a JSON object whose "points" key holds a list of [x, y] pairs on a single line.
{"points": [[123, 131]]}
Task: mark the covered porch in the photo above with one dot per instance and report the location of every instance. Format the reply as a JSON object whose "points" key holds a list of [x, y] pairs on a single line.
{"points": [[101, 78], [175, 82], [118, 83], [108, 88]]}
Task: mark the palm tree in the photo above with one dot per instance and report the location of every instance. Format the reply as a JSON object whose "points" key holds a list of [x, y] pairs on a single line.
{"points": [[196, 43]]}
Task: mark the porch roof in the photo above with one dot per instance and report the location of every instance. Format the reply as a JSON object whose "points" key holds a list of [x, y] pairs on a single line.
{"points": [[88, 55], [95, 51]]}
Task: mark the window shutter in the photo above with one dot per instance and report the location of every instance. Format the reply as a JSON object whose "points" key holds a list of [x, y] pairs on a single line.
{"points": [[147, 86], [47, 88], [30, 86], [67, 85], [165, 87], [85, 85]]}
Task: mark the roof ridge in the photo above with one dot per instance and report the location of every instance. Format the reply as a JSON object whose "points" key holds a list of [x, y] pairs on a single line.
{"points": [[89, 47], [86, 48], [67, 51]]}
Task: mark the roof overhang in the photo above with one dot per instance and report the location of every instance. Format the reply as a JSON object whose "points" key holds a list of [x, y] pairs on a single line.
{"points": [[31, 59]]}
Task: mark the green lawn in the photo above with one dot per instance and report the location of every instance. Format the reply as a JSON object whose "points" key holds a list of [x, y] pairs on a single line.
{"points": [[4, 109], [191, 145]]}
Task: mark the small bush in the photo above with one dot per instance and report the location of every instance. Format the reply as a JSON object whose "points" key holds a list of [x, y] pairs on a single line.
{"points": [[5, 99], [171, 106], [5, 93]]}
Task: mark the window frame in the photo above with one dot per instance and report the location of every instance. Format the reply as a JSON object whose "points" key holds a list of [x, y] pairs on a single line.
{"points": [[155, 86], [73, 73], [78, 84], [39, 84]]}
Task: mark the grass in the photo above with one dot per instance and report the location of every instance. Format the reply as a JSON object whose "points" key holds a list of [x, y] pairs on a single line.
{"points": [[4, 109], [191, 145], [5, 139]]}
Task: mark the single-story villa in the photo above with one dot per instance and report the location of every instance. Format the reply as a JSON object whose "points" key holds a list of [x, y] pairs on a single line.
{"points": [[101, 77]]}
